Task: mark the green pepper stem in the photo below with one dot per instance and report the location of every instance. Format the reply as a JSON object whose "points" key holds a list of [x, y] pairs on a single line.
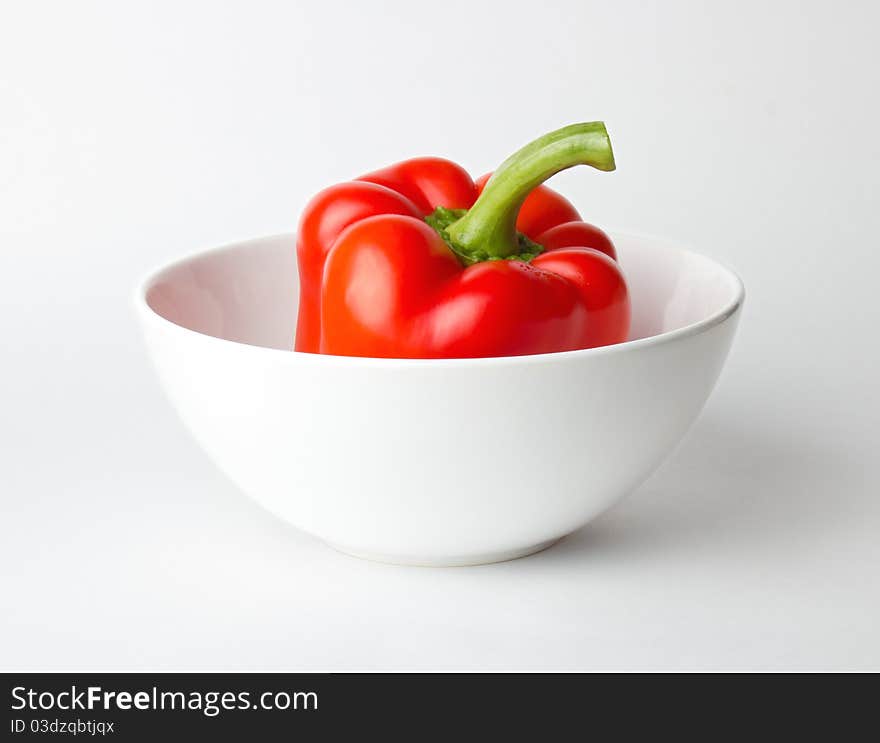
{"points": [[489, 227]]}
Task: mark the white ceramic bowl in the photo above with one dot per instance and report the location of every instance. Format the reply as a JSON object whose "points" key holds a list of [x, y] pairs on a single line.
{"points": [[433, 462]]}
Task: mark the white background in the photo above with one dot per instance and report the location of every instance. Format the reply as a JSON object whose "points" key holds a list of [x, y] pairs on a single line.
{"points": [[135, 132]]}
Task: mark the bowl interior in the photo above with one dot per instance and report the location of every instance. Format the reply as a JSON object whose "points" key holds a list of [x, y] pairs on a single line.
{"points": [[248, 292]]}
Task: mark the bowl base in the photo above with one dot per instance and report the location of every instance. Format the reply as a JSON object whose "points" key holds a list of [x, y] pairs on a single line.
{"points": [[451, 561]]}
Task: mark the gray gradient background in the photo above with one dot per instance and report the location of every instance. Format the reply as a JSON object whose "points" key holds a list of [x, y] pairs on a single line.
{"points": [[135, 132]]}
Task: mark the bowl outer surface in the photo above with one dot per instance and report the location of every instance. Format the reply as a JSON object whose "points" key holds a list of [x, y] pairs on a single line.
{"points": [[435, 462]]}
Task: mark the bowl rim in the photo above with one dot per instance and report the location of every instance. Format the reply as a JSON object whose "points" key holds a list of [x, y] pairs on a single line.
{"points": [[148, 315]]}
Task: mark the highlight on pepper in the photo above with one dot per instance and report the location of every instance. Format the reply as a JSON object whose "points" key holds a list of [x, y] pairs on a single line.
{"points": [[418, 260]]}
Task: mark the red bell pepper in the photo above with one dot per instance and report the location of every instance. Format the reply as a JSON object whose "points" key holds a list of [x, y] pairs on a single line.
{"points": [[418, 261]]}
